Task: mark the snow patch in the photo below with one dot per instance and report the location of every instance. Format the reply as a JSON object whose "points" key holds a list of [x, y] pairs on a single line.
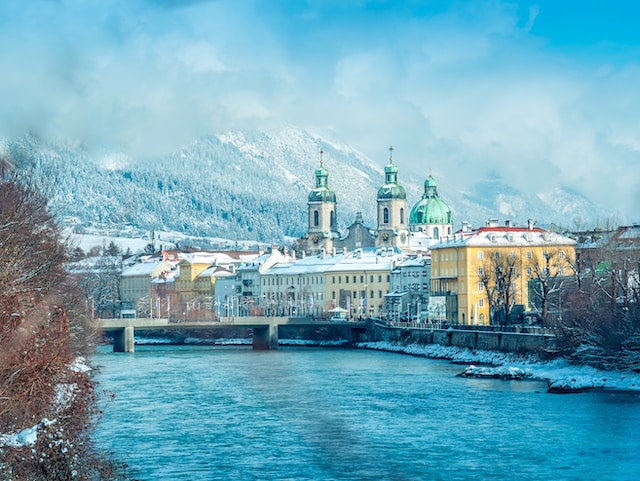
{"points": [[26, 437], [559, 374]]}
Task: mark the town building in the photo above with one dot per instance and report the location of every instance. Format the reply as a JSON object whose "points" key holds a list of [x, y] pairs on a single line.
{"points": [[135, 280], [481, 276], [409, 289], [354, 281]]}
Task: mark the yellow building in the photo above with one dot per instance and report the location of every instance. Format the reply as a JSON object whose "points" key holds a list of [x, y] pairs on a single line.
{"points": [[188, 284], [356, 281], [481, 276]]}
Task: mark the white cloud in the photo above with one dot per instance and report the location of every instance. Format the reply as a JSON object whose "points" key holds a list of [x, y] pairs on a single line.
{"points": [[464, 91]]}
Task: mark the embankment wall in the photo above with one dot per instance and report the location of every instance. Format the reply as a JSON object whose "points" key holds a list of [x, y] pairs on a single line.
{"points": [[492, 341]]}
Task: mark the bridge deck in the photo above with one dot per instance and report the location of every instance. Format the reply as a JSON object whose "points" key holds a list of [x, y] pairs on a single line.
{"points": [[248, 322]]}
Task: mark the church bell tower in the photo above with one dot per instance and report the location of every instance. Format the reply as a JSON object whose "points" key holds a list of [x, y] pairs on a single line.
{"points": [[392, 228], [322, 228]]}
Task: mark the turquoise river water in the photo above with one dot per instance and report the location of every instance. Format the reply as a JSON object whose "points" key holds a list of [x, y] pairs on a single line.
{"points": [[231, 413]]}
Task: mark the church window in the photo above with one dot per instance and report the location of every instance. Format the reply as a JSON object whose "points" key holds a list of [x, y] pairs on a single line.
{"points": [[316, 218], [385, 216], [333, 219], [436, 233], [401, 216]]}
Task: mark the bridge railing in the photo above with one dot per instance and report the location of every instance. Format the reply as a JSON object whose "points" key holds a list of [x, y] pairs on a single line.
{"points": [[537, 330]]}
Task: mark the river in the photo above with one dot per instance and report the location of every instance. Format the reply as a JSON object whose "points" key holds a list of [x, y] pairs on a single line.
{"points": [[231, 413]]}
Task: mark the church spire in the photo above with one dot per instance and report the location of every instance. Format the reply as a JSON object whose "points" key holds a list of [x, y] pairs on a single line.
{"points": [[322, 174]]}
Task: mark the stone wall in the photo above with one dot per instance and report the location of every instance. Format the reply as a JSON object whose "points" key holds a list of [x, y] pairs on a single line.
{"points": [[491, 341]]}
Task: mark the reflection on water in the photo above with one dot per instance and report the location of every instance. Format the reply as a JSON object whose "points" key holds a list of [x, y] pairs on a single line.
{"points": [[205, 413]]}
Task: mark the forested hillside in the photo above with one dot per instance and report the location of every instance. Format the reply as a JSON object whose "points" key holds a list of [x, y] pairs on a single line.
{"points": [[254, 186]]}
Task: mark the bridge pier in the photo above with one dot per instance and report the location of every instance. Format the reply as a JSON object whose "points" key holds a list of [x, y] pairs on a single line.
{"points": [[123, 340], [265, 337]]}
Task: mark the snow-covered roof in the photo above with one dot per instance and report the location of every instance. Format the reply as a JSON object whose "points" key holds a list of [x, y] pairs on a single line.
{"points": [[216, 271], [504, 237], [360, 259], [142, 269], [166, 278], [254, 263], [418, 261]]}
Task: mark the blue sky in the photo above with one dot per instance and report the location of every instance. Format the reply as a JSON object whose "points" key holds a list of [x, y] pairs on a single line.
{"points": [[543, 93]]}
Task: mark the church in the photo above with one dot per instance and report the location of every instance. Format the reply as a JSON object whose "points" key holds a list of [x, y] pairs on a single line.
{"points": [[429, 220]]}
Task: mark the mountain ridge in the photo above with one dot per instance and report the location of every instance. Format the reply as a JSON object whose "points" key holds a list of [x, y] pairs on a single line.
{"points": [[253, 185]]}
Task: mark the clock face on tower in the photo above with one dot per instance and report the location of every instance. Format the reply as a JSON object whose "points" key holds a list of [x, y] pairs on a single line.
{"points": [[385, 237], [403, 238], [315, 239]]}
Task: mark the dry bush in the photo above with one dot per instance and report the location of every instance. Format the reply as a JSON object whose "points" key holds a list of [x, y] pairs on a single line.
{"points": [[43, 334]]}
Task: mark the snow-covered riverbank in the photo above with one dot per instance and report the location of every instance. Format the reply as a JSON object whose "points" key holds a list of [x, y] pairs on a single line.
{"points": [[559, 374]]}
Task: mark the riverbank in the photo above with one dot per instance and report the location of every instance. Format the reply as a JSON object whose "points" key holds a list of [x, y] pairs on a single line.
{"points": [[560, 375]]}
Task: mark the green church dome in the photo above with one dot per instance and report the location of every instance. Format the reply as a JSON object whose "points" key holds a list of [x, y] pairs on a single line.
{"points": [[431, 209], [391, 189], [322, 192], [322, 195]]}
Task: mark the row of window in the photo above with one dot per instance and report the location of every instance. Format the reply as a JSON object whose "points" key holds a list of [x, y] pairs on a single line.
{"points": [[316, 218], [385, 216], [282, 281], [354, 278], [414, 274], [360, 296], [480, 254]]}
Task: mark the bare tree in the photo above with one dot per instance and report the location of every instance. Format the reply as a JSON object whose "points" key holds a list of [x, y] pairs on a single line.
{"points": [[548, 272], [498, 274]]}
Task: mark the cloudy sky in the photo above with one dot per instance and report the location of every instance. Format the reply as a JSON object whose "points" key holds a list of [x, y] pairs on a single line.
{"points": [[540, 92]]}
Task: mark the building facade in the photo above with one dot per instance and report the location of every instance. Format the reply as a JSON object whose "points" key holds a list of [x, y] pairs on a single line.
{"points": [[481, 276]]}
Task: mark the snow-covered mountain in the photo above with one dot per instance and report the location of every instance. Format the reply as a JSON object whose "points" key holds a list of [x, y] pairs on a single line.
{"points": [[253, 185]]}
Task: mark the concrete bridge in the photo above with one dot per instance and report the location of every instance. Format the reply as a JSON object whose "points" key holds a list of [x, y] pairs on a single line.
{"points": [[264, 329]]}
